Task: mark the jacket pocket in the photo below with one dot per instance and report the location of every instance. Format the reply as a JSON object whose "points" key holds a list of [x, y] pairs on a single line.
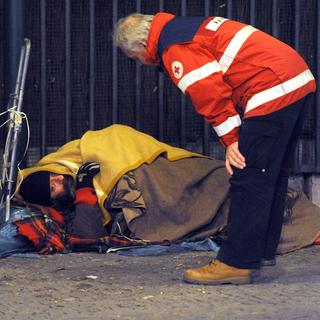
{"points": [[258, 141]]}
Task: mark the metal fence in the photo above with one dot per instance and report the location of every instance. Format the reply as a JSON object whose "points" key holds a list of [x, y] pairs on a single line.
{"points": [[78, 80]]}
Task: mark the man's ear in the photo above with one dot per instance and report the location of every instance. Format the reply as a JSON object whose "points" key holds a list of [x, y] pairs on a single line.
{"points": [[60, 177]]}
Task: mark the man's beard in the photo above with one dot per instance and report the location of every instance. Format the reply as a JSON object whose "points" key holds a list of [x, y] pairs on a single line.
{"points": [[65, 201]]}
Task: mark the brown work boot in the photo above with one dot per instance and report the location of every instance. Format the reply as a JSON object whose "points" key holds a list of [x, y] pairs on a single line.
{"points": [[217, 272]]}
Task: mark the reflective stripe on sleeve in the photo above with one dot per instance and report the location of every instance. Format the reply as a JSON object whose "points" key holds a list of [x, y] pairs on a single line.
{"points": [[279, 90], [234, 46], [198, 74], [228, 125]]}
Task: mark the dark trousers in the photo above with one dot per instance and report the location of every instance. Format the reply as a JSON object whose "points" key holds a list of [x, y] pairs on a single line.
{"points": [[258, 191]]}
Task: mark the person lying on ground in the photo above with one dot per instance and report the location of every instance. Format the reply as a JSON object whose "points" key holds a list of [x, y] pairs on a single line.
{"points": [[74, 198], [180, 177], [153, 197]]}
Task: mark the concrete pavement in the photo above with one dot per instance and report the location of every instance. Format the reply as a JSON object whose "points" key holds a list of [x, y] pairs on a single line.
{"points": [[98, 286]]}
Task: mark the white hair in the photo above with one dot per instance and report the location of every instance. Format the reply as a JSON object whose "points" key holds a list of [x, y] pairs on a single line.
{"points": [[129, 31]]}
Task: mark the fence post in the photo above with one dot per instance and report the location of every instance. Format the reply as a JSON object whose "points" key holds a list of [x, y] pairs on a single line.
{"points": [[43, 78], [67, 70], [14, 33]]}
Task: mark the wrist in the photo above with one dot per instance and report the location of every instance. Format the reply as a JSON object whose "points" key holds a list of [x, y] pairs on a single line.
{"points": [[84, 184]]}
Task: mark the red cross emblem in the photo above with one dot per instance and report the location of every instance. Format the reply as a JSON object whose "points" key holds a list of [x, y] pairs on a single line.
{"points": [[177, 69]]}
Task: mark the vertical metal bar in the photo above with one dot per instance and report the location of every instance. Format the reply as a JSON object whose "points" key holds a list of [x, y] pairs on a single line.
{"points": [[43, 78], [14, 28], [317, 113], [114, 66], [206, 126], [229, 9], [206, 8], [21, 80], [252, 12], [67, 69], [183, 98], [297, 25], [297, 168], [138, 84], [160, 93], [275, 31], [14, 31], [92, 62]]}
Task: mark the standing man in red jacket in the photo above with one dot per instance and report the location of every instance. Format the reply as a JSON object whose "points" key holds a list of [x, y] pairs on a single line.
{"points": [[225, 66]]}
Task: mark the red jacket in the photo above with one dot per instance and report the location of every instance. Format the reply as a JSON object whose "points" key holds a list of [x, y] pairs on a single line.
{"points": [[229, 64]]}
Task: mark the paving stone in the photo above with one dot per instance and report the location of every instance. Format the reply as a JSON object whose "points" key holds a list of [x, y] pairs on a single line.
{"points": [[97, 286]]}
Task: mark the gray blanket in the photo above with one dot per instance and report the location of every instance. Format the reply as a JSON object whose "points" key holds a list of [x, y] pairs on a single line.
{"points": [[188, 199]]}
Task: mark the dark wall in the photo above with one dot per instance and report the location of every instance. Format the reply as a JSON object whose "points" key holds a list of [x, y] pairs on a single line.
{"points": [[77, 81]]}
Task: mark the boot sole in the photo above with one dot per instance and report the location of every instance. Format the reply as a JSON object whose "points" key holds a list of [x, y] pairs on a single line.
{"points": [[268, 263], [238, 280]]}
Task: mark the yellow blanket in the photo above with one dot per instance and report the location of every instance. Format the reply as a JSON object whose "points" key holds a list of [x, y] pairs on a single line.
{"points": [[118, 149]]}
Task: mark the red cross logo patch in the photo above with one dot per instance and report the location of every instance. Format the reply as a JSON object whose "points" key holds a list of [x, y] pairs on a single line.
{"points": [[177, 69]]}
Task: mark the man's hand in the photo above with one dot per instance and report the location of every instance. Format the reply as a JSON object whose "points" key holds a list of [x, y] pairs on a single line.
{"points": [[234, 158], [85, 175]]}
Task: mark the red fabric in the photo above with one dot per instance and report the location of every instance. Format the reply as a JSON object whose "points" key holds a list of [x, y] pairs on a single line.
{"points": [[317, 241], [161, 20], [45, 229], [230, 138], [48, 235], [75, 240], [261, 63], [56, 215], [86, 195]]}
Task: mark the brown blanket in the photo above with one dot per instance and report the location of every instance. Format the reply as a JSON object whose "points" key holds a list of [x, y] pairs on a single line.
{"points": [[188, 198], [301, 224]]}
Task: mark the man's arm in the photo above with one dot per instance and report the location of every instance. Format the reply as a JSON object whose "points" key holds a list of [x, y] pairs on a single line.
{"points": [[87, 221], [197, 73]]}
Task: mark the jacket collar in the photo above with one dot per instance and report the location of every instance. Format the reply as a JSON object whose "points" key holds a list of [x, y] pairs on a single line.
{"points": [[158, 22]]}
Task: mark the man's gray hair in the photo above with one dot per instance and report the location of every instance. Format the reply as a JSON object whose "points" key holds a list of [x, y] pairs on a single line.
{"points": [[132, 29]]}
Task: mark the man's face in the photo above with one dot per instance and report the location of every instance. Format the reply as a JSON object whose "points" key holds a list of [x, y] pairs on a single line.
{"points": [[138, 54], [62, 191], [56, 185]]}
